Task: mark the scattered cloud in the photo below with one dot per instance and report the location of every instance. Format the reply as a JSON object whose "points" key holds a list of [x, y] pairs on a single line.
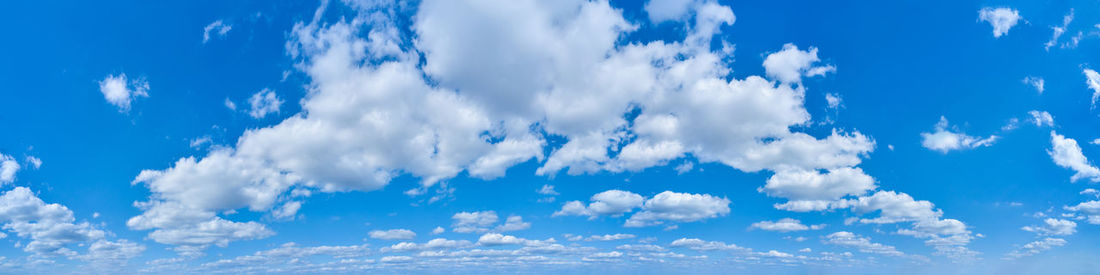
{"points": [[215, 29], [785, 225], [1067, 154], [392, 234], [263, 102], [1002, 19], [120, 91], [944, 139]]}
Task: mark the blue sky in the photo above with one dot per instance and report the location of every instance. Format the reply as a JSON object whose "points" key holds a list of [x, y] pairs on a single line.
{"points": [[661, 136]]}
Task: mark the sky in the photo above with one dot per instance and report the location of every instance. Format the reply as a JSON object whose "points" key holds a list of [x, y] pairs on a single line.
{"points": [[547, 137]]}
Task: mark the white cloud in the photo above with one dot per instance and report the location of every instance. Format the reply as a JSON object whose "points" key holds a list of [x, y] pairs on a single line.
{"points": [[190, 228], [120, 91], [263, 102], [230, 105], [52, 230], [863, 244], [1090, 208], [198, 142], [1037, 82], [109, 255], [665, 10], [813, 190], [678, 207], [1041, 118], [32, 160], [610, 237], [437, 243], [948, 237], [8, 168], [392, 234], [785, 225], [1002, 19], [684, 168], [284, 258], [1036, 247], [701, 245], [944, 139], [495, 239], [610, 202], [547, 190], [469, 222], [1067, 154], [438, 230], [1090, 191], [513, 223], [1092, 79], [492, 239], [832, 100], [1054, 226], [790, 64], [217, 29], [1059, 30], [503, 76], [664, 207]]}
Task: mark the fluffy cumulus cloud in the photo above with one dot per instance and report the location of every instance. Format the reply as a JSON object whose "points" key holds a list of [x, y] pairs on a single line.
{"points": [[791, 64], [610, 202], [785, 225], [120, 91], [809, 190], [1002, 19], [1067, 154], [675, 207], [474, 88], [392, 234], [8, 168], [944, 139], [662, 208]]}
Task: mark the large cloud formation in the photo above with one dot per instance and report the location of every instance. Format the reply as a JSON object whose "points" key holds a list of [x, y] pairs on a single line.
{"points": [[477, 87]]}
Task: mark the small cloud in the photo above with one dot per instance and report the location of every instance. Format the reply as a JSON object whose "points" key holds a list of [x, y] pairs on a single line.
{"points": [[1002, 19], [34, 162], [215, 29], [1036, 82], [120, 91], [264, 102]]}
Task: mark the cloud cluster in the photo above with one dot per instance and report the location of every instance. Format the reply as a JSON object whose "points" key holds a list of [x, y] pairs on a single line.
{"points": [[474, 88], [52, 231], [665, 207]]}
